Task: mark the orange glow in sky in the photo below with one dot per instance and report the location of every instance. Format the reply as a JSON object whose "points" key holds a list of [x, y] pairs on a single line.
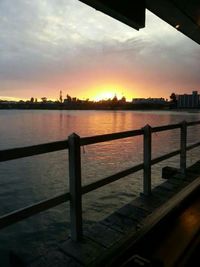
{"points": [[104, 92], [98, 58], [104, 95]]}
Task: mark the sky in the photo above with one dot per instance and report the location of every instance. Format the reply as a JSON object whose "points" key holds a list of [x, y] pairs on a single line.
{"points": [[52, 45]]}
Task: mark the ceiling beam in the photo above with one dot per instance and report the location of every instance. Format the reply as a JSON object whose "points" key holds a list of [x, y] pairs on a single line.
{"points": [[129, 12]]}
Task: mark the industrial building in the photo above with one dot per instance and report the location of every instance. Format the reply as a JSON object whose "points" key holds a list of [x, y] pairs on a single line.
{"points": [[188, 100]]}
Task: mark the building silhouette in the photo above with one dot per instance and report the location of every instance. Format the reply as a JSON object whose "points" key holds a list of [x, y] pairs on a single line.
{"points": [[188, 100], [160, 101]]}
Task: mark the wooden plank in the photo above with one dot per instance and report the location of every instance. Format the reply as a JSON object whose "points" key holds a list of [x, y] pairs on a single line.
{"points": [[172, 126], [192, 123], [16, 153], [137, 214], [103, 235], [85, 252], [120, 223], [31, 210], [178, 182], [171, 186], [163, 193], [109, 137], [165, 128], [185, 178], [148, 204]]}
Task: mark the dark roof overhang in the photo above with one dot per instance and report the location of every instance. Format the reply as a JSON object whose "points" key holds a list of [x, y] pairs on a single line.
{"points": [[184, 15], [129, 12]]}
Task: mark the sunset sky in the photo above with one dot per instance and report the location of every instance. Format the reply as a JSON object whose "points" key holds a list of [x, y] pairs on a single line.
{"points": [[52, 45]]}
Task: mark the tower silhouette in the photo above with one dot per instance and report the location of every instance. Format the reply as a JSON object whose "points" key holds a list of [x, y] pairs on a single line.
{"points": [[61, 99]]}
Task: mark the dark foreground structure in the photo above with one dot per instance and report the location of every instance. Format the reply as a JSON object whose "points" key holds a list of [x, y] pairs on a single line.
{"points": [[159, 230]]}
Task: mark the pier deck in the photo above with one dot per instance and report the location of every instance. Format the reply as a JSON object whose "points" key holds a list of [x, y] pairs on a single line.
{"points": [[109, 237]]}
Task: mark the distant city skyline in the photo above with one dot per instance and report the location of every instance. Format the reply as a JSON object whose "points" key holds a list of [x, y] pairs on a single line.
{"points": [[61, 96], [99, 97], [45, 47]]}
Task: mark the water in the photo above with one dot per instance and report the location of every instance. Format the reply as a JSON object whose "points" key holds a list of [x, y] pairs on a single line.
{"points": [[26, 181]]}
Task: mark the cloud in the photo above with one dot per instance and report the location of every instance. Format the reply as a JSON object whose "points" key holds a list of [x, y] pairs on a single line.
{"points": [[50, 43]]}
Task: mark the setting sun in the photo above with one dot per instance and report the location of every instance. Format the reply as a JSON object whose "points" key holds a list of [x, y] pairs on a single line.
{"points": [[104, 96], [108, 91]]}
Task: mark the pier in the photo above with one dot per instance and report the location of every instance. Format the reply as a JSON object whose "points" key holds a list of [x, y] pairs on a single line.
{"points": [[101, 243]]}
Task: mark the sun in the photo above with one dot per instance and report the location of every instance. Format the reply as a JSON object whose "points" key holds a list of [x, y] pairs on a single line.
{"points": [[105, 92], [104, 96]]}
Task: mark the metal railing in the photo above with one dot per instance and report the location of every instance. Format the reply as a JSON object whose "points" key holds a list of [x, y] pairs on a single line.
{"points": [[76, 190]]}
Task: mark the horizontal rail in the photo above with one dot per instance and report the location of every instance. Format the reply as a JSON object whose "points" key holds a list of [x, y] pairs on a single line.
{"points": [[16, 153], [193, 146], [165, 128], [31, 210], [172, 154], [109, 137], [110, 179], [164, 157], [192, 123]]}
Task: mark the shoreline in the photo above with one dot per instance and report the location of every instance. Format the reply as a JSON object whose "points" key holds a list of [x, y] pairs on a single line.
{"points": [[189, 110]]}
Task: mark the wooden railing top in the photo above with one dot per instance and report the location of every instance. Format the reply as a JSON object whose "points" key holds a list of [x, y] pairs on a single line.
{"points": [[109, 137], [21, 152], [16, 153]]}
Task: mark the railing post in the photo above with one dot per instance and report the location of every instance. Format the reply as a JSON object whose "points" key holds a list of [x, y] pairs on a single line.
{"points": [[183, 146], [147, 160], [75, 187]]}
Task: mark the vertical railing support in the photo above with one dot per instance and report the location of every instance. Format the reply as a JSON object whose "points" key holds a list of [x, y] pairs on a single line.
{"points": [[183, 146], [75, 187], [147, 161]]}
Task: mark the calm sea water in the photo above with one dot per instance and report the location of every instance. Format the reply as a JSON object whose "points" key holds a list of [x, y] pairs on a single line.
{"points": [[28, 180]]}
